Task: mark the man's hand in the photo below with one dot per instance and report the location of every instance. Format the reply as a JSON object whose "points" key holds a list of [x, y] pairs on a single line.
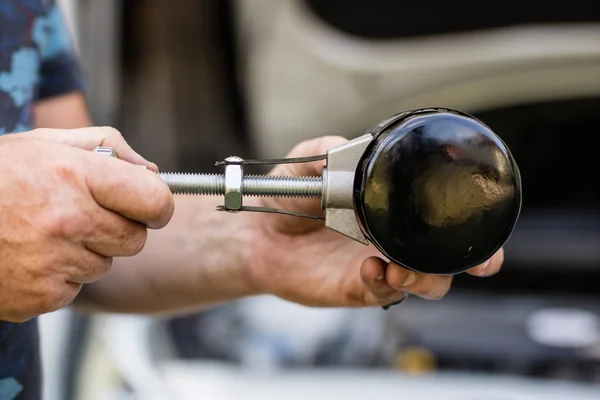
{"points": [[302, 261], [66, 211]]}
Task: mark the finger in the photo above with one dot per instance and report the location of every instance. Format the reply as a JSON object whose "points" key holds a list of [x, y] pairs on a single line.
{"points": [[70, 291], [310, 206], [378, 292], [90, 138], [88, 267], [427, 286], [59, 298], [115, 236], [490, 267], [133, 192]]}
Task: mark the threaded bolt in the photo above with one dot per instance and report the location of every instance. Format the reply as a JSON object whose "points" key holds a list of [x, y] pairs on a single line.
{"points": [[252, 185]]}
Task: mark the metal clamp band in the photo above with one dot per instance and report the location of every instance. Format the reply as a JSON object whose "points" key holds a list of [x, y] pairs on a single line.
{"points": [[292, 160]]}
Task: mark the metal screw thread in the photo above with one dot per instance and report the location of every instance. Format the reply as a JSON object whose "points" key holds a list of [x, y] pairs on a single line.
{"points": [[252, 185]]}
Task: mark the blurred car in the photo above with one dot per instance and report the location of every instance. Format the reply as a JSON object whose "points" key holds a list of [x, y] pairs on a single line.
{"points": [[306, 68]]}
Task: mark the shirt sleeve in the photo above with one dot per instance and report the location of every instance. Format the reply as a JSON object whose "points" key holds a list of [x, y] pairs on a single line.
{"points": [[60, 72]]}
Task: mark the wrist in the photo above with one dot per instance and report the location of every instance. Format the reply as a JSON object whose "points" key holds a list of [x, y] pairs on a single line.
{"points": [[234, 272]]}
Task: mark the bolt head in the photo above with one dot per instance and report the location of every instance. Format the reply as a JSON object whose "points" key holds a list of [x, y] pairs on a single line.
{"points": [[106, 150], [234, 174]]}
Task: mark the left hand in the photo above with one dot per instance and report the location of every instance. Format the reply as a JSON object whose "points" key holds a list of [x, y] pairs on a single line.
{"points": [[300, 260]]}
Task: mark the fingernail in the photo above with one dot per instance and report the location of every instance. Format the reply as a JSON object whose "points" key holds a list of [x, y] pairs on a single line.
{"points": [[379, 277], [410, 279], [485, 265], [396, 303]]}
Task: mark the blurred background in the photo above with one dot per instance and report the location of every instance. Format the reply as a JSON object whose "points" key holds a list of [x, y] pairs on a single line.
{"points": [[190, 82]]}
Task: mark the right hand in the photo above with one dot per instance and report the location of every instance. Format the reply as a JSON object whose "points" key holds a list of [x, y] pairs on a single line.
{"points": [[66, 211]]}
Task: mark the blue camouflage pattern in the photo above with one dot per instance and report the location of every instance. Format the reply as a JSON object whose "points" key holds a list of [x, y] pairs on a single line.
{"points": [[36, 62]]}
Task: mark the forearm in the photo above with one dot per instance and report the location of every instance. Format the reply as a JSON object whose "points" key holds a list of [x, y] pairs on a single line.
{"points": [[199, 259]]}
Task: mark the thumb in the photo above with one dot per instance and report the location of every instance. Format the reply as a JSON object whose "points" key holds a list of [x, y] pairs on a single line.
{"points": [[310, 206], [91, 137]]}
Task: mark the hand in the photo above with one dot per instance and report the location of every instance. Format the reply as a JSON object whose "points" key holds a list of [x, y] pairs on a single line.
{"points": [[302, 261], [66, 211]]}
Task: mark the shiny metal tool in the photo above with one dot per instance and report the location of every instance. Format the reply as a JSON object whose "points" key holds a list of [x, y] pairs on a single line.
{"points": [[435, 190]]}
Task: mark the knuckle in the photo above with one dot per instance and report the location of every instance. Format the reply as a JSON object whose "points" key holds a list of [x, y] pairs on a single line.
{"points": [[97, 269], [395, 282], [161, 202], [136, 239], [53, 298], [397, 278], [111, 132], [65, 170], [61, 222]]}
